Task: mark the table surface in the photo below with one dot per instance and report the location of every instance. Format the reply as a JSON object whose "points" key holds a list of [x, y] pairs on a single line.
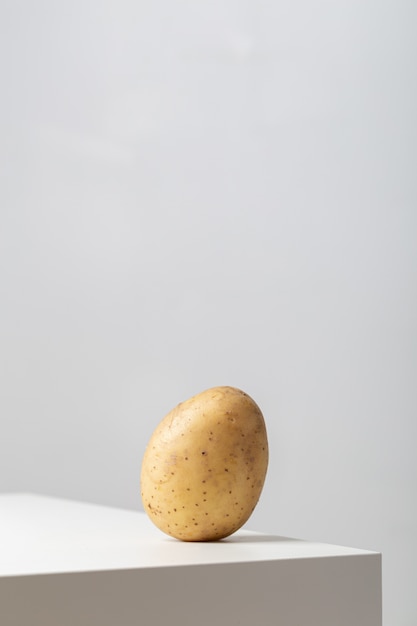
{"points": [[44, 535]]}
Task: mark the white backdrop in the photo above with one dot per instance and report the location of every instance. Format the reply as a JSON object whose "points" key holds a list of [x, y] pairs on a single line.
{"points": [[222, 192]]}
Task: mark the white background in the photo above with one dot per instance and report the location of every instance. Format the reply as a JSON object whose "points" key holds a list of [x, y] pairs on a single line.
{"points": [[222, 192]]}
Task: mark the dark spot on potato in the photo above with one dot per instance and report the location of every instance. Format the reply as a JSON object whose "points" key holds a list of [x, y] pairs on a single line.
{"points": [[204, 452]]}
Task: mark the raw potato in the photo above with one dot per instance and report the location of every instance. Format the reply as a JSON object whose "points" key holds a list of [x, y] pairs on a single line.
{"points": [[205, 465]]}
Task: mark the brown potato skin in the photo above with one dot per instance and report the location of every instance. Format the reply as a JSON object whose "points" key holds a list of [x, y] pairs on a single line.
{"points": [[205, 465]]}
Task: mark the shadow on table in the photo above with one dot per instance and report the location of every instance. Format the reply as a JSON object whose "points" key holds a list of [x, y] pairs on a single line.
{"points": [[257, 539]]}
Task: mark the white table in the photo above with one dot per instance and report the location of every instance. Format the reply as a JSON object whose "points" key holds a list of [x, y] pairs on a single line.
{"points": [[66, 563]]}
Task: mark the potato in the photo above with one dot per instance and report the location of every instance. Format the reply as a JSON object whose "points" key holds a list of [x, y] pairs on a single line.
{"points": [[205, 465]]}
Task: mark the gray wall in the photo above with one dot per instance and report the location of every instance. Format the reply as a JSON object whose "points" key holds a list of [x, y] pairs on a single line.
{"points": [[209, 193]]}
